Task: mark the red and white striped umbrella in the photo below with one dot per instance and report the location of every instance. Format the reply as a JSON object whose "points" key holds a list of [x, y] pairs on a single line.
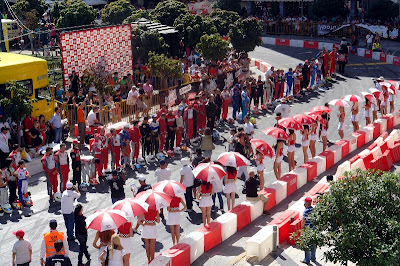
{"points": [[370, 97], [103, 220], [156, 200], [233, 159], [290, 123], [338, 102], [263, 147], [209, 172], [170, 187], [352, 98], [387, 85], [317, 117], [377, 93], [276, 133], [131, 206], [303, 119], [395, 84], [320, 109]]}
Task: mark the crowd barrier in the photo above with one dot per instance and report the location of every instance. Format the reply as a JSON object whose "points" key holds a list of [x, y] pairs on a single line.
{"points": [[380, 56]]}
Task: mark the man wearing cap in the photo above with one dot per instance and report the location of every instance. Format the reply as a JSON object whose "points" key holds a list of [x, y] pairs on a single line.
{"points": [[187, 179], [306, 222], [67, 207], [4, 146], [143, 185], [117, 187], [62, 161], [76, 164], [47, 248], [49, 166], [22, 250]]}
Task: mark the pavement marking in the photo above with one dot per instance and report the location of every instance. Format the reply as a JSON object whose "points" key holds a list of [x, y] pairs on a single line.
{"points": [[368, 64], [237, 258]]}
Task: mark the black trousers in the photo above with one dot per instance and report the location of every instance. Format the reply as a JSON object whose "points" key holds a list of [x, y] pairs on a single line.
{"points": [[170, 138], [76, 174], [341, 67], [3, 157], [189, 197], [82, 248], [12, 188], [155, 144], [210, 123]]}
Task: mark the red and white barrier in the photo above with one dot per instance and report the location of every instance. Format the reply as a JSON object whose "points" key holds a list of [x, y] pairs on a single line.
{"points": [[301, 176], [212, 235], [343, 167], [291, 183], [178, 254], [369, 133], [383, 123], [256, 209], [280, 188], [321, 164], [161, 260], [352, 143], [261, 244], [360, 138], [311, 170], [243, 215], [228, 223], [337, 151], [329, 158], [345, 146], [196, 242], [283, 223]]}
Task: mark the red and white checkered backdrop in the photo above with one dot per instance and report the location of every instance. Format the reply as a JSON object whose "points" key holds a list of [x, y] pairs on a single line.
{"points": [[111, 46]]}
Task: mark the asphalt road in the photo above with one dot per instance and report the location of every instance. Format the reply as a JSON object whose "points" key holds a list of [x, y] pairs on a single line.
{"points": [[35, 220]]}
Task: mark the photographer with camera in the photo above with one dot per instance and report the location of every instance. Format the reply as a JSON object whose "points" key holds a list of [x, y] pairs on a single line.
{"points": [[117, 186], [67, 207], [251, 186]]}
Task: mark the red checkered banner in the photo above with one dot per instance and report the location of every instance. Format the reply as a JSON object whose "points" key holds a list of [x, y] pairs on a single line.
{"points": [[108, 46]]}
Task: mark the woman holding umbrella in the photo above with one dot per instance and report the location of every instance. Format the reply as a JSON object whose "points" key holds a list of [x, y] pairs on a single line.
{"points": [[341, 117], [262, 149], [305, 141], [291, 148], [278, 158], [230, 186]]}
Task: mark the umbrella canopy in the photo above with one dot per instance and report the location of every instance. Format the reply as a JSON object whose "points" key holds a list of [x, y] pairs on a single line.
{"points": [[395, 84], [320, 109], [170, 187], [263, 147], [209, 172], [338, 102], [233, 159], [370, 97], [388, 85], [303, 119], [377, 93], [131, 206], [290, 123], [103, 220], [317, 117], [352, 98], [156, 200], [276, 133]]}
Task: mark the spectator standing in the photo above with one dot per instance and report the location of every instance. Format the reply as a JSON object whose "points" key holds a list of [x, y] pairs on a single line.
{"points": [[22, 250], [28, 124], [80, 114], [179, 128], [81, 234], [211, 109], [74, 79], [55, 123], [62, 161], [22, 175], [67, 208], [11, 180], [207, 145], [92, 118], [145, 132], [58, 259], [306, 222], [171, 127], [76, 164], [369, 38], [4, 146], [187, 179], [47, 248], [135, 137], [354, 43], [133, 95], [117, 187]]}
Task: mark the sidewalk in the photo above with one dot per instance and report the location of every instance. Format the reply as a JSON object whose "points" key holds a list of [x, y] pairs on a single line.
{"points": [[388, 46]]}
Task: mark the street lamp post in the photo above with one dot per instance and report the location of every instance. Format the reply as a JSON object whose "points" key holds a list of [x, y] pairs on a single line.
{"points": [[302, 5]]}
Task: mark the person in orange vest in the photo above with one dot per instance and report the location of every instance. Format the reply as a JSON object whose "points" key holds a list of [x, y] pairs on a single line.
{"points": [[97, 150], [135, 137], [49, 166], [62, 161], [104, 142], [47, 247]]}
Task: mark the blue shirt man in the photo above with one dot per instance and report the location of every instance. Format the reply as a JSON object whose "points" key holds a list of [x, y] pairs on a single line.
{"points": [[289, 80], [55, 123], [306, 222]]}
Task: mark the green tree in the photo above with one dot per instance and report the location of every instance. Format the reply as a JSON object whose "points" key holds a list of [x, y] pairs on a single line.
{"points": [[230, 5], [328, 8], [167, 11], [136, 15], [17, 106], [383, 10], [223, 20], [163, 67], [358, 220], [245, 34], [212, 47], [116, 12], [192, 27], [144, 41], [22, 7], [73, 13]]}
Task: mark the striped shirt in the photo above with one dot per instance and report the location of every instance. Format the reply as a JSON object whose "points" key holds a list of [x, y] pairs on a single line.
{"points": [[306, 213]]}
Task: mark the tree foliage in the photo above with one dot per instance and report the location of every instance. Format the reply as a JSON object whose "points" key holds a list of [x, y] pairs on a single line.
{"points": [[167, 11], [328, 8], [212, 47], [144, 41], [229, 5], [17, 106], [359, 220], [136, 15], [72, 13], [30, 11], [192, 27], [245, 34], [383, 10], [163, 67], [116, 12], [223, 20]]}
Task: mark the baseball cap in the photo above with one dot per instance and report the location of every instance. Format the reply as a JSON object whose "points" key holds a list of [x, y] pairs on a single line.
{"points": [[184, 161], [126, 125], [53, 221], [162, 162], [19, 233], [308, 199], [69, 185], [142, 178]]}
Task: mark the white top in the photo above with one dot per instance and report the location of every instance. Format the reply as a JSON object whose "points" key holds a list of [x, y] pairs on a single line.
{"points": [[190, 114], [163, 174], [248, 128], [63, 158], [116, 258], [91, 117], [67, 201], [132, 97], [21, 249], [269, 73], [179, 121], [4, 143], [369, 38], [22, 173], [188, 177], [218, 186]]}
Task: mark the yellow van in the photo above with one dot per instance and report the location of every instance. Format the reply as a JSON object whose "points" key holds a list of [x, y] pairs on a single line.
{"points": [[32, 73]]}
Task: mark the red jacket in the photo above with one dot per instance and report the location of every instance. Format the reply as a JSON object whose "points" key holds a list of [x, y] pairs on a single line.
{"points": [[170, 120], [163, 125], [134, 134]]}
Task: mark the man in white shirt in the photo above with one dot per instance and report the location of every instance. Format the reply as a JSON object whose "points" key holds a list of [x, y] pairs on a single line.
{"points": [[67, 207], [133, 95], [369, 39], [269, 72], [92, 118], [163, 173], [4, 148], [187, 179], [248, 127]]}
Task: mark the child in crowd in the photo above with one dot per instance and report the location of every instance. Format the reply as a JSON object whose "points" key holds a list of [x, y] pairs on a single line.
{"points": [[23, 176]]}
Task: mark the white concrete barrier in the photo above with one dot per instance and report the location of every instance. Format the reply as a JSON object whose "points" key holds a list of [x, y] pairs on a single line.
{"points": [[280, 190], [378, 141], [390, 141], [321, 164], [268, 40], [161, 260], [326, 45], [376, 152], [364, 153], [337, 150], [228, 223], [352, 143], [389, 59], [261, 244], [394, 134], [361, 52], [376, 55], [343, 167], [256, 208], [301, 173], [196, 242], [383, 123], [369, 133], [297, 43], [358, 164]]}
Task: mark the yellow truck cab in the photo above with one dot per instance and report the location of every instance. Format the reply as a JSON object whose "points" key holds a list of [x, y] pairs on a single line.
{"points": [[32, 73]]}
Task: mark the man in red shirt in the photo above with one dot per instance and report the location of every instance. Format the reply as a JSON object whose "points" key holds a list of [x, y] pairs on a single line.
{"points": [[28, 125], [104, 142], [163, 110], [62, 162], [326, 64], [135, 137], [162, 122], [332, 60], [171, 125]]}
